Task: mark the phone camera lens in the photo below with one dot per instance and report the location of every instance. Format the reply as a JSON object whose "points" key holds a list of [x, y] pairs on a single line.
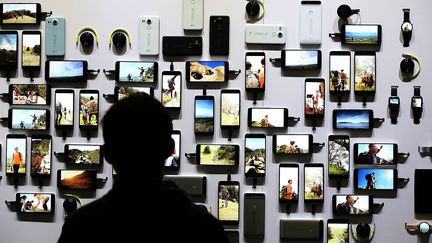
{"points": [[55, 22], [280, 35], [149, 21]]}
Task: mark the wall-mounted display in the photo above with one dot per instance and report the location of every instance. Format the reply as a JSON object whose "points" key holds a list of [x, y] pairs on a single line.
{"points": [[292, 144], [83, 154], [314, 183], [364, 72], [353, 119], [20, 13], [204, 115], [76, 179], [217, 154], [229, 202], [64, 108], [288, 183], [340, 72], [255, 155], [121, 92], [375, 179], [207, 71], [268, 117], [352, 204], [171, 89], [255, 66], [173, 161], [375, 153], [66, 70], [314, 98], [136, 71], [41, 155], [361, 34], [301, 59], [338, 156], [35, 203], [8, 50], [337, 230], [29, 94], [29, 119], [230, 109], [16, 154], [89, 108], [31, 50]]}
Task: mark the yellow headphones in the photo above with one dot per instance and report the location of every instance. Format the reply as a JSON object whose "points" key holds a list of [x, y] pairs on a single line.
{"points": [[121, 30], [415, 59], [87, 28]]}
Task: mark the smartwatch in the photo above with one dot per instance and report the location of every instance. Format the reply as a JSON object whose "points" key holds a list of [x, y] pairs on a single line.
{"points": [[394, 104], [422, 227], [417, 105], [406, 27]]}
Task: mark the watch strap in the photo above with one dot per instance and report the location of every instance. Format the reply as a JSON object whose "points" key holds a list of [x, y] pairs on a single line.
{"points": [[406, 38], [417, 90], [406, 14], [394, 90]]}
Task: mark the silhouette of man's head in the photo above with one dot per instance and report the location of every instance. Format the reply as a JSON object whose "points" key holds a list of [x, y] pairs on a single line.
{"points": [[137, 134]]}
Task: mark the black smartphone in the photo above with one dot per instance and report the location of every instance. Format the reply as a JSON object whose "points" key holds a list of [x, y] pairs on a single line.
{"points": [[29, 119], [207, 71], [89, 108], [340, 72], [16, 154], [136, 71], [301, 59], [121, 92], [288, 183], [182, 45], [219, 35], [20, 13], [376, 153], [337, 230], [194, 186], [76, 179], [292, 144], [255, 155], [314, 98], [352, 119], [233, 236], [217, 154], [9, 47], [255, 66], [29, 94], [375, 179], [361, 34], [41, 155], [64, 108], [422, 190], [31, 50], [171, 89], [204, 115], [338, 156], [301, 229], [173, 162], [364, 72], [268, 117], [314, 183], [230, 109], [352, 204], [229, 202], [83, 154], [66, 70], [254, 215], [35, 203]]}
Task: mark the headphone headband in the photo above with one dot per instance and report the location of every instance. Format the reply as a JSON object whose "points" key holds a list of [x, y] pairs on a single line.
{"points": [[414, 58], [87, 28], [74, 197], [261, 3], [121, 30]]}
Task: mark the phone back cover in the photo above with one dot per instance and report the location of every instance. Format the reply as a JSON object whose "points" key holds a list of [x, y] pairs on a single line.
{"points": [[254, 215], [219, 35], [304, 229]]}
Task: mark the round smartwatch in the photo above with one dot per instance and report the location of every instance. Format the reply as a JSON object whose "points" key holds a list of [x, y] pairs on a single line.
{"points": [[406, 28]]}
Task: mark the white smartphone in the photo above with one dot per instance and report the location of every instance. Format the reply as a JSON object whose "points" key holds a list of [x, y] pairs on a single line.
{"points": [[265, 34], [55, 36], [310, 22], [149, 35], [193, 14]]}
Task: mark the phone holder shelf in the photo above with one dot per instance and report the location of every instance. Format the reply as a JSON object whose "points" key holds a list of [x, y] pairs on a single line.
{"points": [[294, 119], [93, 72], [45, 14], [234, 72], [402, 182], [377, 207], [318, 146], [254, 182], [108, 72], [425, 150], [190, 155], [404, 155], [59, 154], [204, 92], [335, 35], [11, 204], [229, 175], [275, 60], [102, 180], [171, 66], [378, 121], [108, 96], [31, 74]]}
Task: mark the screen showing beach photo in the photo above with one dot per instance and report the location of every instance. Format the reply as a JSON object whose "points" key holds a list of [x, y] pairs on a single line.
{"points": [[41, 156], [255, 156], [64, 109], [204, 117], [339, 157], [35, 202], [217, 154], [29, 119], [361, 34], [292, 144], [31, 50], [314, 183], [375, 153], [16, 155], [171, 90], [29, 94], [364, 68], [288, 183], [375, 179], [211, 71], [66, 69], [230, 109], [19, 13], [340, 73], [255, 72], [268, 118], [8, 50], [315, 97], [136, 72], [352, 119], [84, 154], [351, 204], [301, 59]]}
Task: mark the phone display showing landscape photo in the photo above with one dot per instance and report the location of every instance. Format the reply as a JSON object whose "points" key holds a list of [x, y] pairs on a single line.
{"points": [[361, 34], [351, 204], [314, 183], [29, 119], [267, 118], [19, 13], [228, 202], [41, 156], [171, 90], [124, 92], [64, 109], [292, 144], [84, 154], [375, 179], [35, 202], [374, 154], [89, 109], [29, 94], [299, 59], [212, 71], [230, 109], [315, 97], [339, 157], [204, 115], [288, 183], [365, 73], [255, 156], [136, 72], [352, 119], [337, 233], [8, 49], [16, 155], [210, 154], [255, 71], [31, 50], [340, 73], [64, 70], [77, 179]]}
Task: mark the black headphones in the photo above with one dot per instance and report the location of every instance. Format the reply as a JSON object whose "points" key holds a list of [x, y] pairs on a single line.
{"points": [[344, 11], [253, 9], [363, 231], [407, 65]]}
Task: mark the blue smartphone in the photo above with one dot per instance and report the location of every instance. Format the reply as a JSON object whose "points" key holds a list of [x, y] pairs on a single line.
{"points": [[55, 36]]}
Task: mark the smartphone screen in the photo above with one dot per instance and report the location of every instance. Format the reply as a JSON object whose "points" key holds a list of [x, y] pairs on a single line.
{"points": [[291, 144], [337, 231], [365, 71], [20, 13], [31, 49], [422, 190], [301, 59], [29, 119], [314, 98], [353, 119], [267, 117], [361, 34], [121, 92], [207, 71], [29, 94], [373, 179], [217, 154], [16, 154], [352, 204], [41, 155], [338, 156], [229, 202], [31, 203], [375, 153], [255, 71], [89, 108], [314, 182], [83, 154], [204, 115], [255, 155], [171, 89], [66, 70], [340, 71], [173, 162], [288, 183], [136, 71], [76, 179], [64, 108], [230, 109], [9, 45]]}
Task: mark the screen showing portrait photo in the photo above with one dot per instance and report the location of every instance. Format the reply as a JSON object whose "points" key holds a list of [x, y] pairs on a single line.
{"points": [[315, 97], [288, 183], [64, 109], [292, 144], [29, 119], [268, 118], [124, 92], [89, 109], [365, 73], [314, 183], [212, 71], [375, 179], [204, 117], [228, 202], [66, 69], [230, 109], [35, 203], [361, 34], [19, 13], [77, 179], [173, 161], [171, 90], [211, 154], [8, 50], [351, 204], [340, 73], [416, 102], [16, 155], [31, 52], [255, 156], [337, 233], [41, 156], [375, 153], [84, 154], [29, 94], [339, 157], [137, 72], [352, 119], [301, 59], [255, 72]]}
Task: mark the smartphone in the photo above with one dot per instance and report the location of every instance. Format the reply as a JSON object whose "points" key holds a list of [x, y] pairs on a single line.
{"points": [[268, 117], [171, 89], [173, 161], [29, 94], [182, 45], [149, 35], [41, 155], [338, 156], [136, 71], [29, 119], [365, 72], [353, 119], [9, 45], [233, 236], [229, 202], [204, 115], [301, 59], [66, 70], [31, 50], [35, 203], [301, 229], [288, 183], [337, 230], [89, 109], [314, 98], [16, 154], [292, 144], [255, 155], [361, 34], [255, 71], [64, 108], [314, 183], [55, 35], [422, 190], [310, 22], [194, 186], [76, 179], [352, 204], [230, 109], [207, 71], [217, 154], [219, 35], [340, 72], [121, 92], [83, 154], [375, 179], [20, 13], [254, 215], [375, 153]]}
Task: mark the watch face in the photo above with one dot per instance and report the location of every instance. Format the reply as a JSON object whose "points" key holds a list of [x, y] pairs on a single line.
{"points": [[424, 227], [416, 102], [394, 101], [407, 26]]}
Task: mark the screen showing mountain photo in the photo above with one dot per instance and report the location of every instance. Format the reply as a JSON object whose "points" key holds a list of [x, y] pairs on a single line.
{"points": [[361, 34]]}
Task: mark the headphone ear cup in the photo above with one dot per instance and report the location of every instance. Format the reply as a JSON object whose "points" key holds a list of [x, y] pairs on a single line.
{"points": [[86, 39], [363, 230], [407, 66], [344, 11], [253, 8], [70, 205], [119, 39]]}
